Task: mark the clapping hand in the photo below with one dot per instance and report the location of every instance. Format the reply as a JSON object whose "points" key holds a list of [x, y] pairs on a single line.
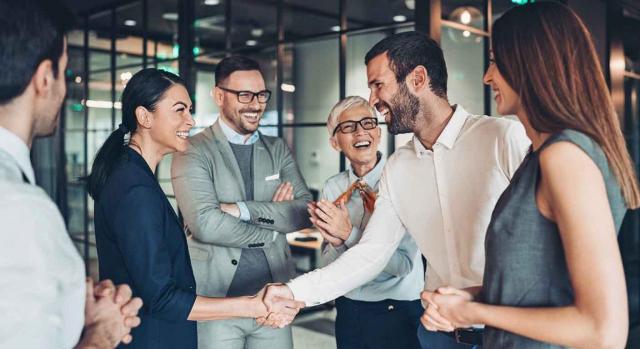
{"points": [[280, 307]]}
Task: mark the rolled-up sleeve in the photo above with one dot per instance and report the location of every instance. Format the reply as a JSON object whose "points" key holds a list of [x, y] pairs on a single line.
{"points": [[139, 227]]}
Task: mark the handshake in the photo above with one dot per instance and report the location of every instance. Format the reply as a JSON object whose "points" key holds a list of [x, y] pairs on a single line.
{"points": [[276, 306]]}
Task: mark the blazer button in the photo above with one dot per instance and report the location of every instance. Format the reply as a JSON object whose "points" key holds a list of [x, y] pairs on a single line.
{"points": [[234, 262], [390, 307]]}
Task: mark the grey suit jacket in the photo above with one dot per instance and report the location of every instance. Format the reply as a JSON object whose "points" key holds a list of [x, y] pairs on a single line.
{"points": [[207, 174]]}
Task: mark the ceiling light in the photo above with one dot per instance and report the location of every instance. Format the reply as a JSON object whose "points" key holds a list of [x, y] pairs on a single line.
{"points": [[211, 2], [399, 18], [130, 23], [335, 28], [288, 87], [411, 4], [170, 16], [78, 79], [257, 32], [126, 76], [465, 17], [251, 43], [466, 33]]}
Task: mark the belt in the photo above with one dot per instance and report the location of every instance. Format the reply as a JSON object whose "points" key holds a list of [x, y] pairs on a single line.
{"points": [[471, 336]]}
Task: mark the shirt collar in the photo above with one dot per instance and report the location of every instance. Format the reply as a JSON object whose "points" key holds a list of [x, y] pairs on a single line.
{"points": [[450, 133], [18, 150], [236, 138], [373, 176]]}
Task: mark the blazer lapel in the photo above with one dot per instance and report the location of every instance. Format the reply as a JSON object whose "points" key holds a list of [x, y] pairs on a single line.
{"points": [[229, 158], [263, 167]]}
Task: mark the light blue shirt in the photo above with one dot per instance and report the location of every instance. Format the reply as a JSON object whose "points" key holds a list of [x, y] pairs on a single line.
{"points": [[236, 138], [403, 277]]}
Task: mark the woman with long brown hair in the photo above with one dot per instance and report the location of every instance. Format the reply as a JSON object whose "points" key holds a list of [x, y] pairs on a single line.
{"points": [[553, 274]]}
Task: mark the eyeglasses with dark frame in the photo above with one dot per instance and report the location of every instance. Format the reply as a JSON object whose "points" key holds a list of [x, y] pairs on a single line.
{"points": [[246, 97], [350, 126]]}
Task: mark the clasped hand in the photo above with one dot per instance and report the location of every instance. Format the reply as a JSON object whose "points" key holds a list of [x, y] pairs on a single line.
{"points": [[447, 309], [278, 308]]}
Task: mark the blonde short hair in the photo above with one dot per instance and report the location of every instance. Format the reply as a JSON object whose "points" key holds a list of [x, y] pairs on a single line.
{"points": [[347, 103]]}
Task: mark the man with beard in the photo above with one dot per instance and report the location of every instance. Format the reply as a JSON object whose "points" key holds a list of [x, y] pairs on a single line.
{"points": [[441, 186], [240, 192]]}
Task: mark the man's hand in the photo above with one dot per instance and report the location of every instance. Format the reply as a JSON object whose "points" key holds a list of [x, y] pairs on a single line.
{"points": [[280, 305], [283, 193], [432, 320], [333, 220], [110, 314], [231, 209], [454, 305]]}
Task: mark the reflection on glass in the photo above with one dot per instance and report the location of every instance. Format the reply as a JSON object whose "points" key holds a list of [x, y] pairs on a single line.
{"points": [[209, 27], [314, 155], [254, 23], [464, 55], [311, 81], [373, 13], [467, 13], [306, 18]]}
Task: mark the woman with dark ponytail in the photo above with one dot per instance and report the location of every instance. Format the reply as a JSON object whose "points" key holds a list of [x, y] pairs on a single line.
{"points": [[138, 237]]}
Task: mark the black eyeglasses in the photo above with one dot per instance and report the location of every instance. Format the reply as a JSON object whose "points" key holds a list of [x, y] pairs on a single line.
{"points": [[351, 126], [246, 97]]}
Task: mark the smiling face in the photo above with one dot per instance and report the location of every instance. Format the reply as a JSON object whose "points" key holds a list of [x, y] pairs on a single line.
{"points": [[392, 99], [507, 100], [242, 118], [172, 119], [361, 146]]}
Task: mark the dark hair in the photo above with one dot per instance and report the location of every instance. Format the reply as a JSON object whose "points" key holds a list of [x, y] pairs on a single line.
{"points": [[31, 31], [145, 89], [408, 50], [545, 53], [231, 64]]}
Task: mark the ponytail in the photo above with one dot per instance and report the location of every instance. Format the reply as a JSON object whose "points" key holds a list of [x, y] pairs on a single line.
{"points": [[145, 89]]}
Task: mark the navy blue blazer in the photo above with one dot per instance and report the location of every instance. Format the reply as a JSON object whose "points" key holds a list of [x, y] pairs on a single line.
{"points": [[140, 243]]}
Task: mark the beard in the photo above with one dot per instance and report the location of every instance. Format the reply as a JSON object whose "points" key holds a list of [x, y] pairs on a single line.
{"points": [[404, 109], [238, 120]]}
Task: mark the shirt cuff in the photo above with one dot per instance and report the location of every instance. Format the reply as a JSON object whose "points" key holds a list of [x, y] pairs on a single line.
{"points": [[244, 211], [297, 287], [353, 238]]}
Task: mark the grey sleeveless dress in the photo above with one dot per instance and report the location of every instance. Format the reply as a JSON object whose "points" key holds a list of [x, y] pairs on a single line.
{"points": [[525, 261]]}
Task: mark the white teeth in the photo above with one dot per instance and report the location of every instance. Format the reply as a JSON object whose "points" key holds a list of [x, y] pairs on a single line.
{"points": [[362, 144], [182, 134]]}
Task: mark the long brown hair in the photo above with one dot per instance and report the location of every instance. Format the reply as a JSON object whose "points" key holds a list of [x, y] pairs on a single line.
{"points": [[546, 54]]}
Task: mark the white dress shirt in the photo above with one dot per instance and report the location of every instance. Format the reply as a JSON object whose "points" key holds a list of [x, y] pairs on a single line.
{"points": [[443, 197], [42, 289]]}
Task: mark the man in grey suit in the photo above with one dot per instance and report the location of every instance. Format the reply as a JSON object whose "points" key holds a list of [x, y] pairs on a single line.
{"points": [[239, 192]]}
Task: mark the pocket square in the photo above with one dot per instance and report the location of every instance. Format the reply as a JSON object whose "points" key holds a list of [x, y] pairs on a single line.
{"points": [[272, 177]]}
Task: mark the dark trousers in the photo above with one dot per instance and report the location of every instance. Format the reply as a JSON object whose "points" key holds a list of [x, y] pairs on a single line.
{"points": [[439, 340], [377, 325]]}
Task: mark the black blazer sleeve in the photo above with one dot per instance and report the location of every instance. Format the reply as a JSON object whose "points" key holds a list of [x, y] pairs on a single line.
{"points": [[139, 225]]}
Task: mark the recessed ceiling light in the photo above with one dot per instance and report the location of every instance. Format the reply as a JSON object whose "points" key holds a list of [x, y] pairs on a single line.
{"points": [[288, 87], [257, 32], [399, 18], [130, 23], [211, 2], [78, 79], [170, 16], [466, 33], [335, 28], [251, 43]]}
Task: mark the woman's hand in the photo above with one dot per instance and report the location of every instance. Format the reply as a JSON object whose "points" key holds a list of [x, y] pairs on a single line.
{"points": [[454, 305]]}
